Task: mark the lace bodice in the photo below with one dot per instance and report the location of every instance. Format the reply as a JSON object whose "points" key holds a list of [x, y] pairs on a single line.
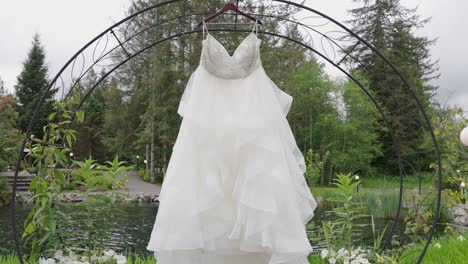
{"points": [[217, 60]]}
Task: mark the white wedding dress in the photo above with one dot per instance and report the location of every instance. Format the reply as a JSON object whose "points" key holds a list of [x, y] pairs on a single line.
{"points": [[234, 190]]}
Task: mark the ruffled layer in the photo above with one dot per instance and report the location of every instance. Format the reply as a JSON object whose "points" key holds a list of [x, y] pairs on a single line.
{"points": [[234, 190]]}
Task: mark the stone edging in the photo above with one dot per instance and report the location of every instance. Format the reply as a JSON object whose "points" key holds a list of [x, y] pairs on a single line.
{"points": [[25, 197]]}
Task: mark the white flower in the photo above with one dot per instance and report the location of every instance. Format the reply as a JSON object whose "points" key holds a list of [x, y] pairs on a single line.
{"points": [[109, 252], [58, 254], [72, 255], [324, 253], [121, 259], [332, 260], [461, 238], [365, 261], [437, 245], [46, 261], [102, 258]]}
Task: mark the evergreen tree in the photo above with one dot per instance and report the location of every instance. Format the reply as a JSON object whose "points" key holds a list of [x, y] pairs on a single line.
{"points": [[390, 28], [31, 84]]}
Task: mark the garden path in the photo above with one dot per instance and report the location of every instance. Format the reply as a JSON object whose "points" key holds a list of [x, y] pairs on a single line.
{"points": [[136, 185]]}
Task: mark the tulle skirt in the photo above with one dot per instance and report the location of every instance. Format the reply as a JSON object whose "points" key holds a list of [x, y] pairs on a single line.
{"points": [[234, 190]]}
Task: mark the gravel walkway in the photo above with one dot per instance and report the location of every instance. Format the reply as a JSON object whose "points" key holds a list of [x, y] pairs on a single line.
{"points": [[137, 185]]}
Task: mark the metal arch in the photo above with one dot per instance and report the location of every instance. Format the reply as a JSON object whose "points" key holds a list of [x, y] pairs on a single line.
{"points": [[324, 56]]}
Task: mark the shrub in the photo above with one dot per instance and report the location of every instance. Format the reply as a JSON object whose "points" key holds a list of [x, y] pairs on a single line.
{"points": [[5, 192], [342, 234], [314, 166]]}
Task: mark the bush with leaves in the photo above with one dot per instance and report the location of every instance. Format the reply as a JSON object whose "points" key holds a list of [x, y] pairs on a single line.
{"points": [[5, 193], [49, 153], [95, 177], [10, 137], [417, 220], [115, 171], [314, 166], [342, 234], [343, 230]]}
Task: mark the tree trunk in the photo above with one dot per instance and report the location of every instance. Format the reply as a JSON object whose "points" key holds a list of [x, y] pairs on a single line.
{"points": [[147, 158], [152, 160]]}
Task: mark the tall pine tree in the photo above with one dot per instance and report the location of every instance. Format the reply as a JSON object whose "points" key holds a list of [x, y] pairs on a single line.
{"points": [[31, 84], [391, 29]]}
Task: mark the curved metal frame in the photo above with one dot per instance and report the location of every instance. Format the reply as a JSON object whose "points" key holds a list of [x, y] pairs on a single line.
{"points": [[325, 39]]}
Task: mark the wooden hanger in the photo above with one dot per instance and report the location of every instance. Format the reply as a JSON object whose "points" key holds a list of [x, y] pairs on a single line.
{"points": [[227, 7]]}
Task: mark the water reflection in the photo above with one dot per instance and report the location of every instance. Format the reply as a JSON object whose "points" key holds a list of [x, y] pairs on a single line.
{"points": [[132, 232]]}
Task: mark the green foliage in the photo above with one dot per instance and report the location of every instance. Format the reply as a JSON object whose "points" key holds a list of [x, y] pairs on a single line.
{"points": [[446, 249], [96, 208], [40, 226], [341, 233], [93, 176], [91, 132], [314, 166], [12, 258], [142, 173], [5, 193], [359, 144], [448, 123], [335, 120], [381, 202], [344, 232], [115, 169], [378, 235], [391, 29], [449, 198], [10, 137], [417, 220]]}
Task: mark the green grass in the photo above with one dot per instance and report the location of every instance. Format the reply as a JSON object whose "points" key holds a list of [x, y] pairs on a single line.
{"points": [[381, 203], [409, 182], [379, 194], [11, 258], [315, 259], [451, 250]]}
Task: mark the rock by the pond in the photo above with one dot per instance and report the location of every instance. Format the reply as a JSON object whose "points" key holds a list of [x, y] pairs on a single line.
{"points": [[459, 214], [146, 197], [73, 197]]}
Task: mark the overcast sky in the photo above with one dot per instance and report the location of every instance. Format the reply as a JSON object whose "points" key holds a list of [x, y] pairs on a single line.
{"points": [[66, 25]]}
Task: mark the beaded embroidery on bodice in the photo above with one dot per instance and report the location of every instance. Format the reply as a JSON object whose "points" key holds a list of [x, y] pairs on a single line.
{"points": [[216, 59]]}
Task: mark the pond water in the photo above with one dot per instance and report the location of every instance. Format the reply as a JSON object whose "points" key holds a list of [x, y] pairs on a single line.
{"points": [[132, 231]]}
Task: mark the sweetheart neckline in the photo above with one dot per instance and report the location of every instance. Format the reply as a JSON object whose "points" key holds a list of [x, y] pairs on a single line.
{"points": [[235, 51]]}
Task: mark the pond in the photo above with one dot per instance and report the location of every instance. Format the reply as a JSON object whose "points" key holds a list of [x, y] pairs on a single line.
{"points": [[132, 232]]}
